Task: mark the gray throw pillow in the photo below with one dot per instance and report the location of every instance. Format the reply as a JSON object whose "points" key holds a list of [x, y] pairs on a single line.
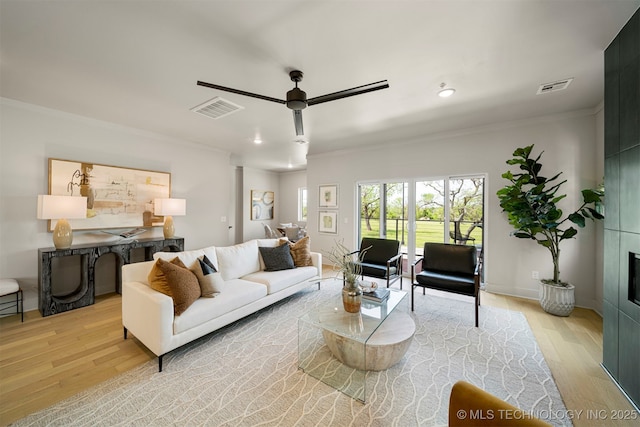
{"points": [[278, 258]]}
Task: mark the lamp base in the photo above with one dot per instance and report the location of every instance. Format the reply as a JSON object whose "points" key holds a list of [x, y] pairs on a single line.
{"points": [[168, 229], [62, 234]]}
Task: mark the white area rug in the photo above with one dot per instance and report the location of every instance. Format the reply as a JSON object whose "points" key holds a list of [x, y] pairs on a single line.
{"points": [[247, 375]]}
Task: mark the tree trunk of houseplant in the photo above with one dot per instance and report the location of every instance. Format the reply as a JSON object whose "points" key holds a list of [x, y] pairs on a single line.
{"points": [[557, 300]]}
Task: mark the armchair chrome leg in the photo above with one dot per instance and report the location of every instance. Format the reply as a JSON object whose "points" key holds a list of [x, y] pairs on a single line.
{"points": [[160, 363], [125, 333]]}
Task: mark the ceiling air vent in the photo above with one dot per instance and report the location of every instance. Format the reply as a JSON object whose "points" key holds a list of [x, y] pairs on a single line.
{"points": [[216, 108], [554, 86]]}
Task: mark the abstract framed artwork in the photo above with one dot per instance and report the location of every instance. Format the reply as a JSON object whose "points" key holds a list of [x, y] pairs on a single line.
{"points": [[117, 197], [262, 203], [328, 196], [328, 222]]}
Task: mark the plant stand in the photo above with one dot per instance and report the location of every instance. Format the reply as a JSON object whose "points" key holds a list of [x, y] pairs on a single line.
{"points": [[557, 300]]}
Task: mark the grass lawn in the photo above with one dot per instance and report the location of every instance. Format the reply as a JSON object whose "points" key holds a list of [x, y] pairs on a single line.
{"points": [[427, 231]]}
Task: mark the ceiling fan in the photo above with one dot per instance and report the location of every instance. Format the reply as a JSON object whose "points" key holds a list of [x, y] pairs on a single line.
{"points": [[297, 98]]}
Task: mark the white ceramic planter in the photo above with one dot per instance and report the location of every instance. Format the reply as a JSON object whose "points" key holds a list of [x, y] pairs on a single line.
{"points": [[557, 300]]}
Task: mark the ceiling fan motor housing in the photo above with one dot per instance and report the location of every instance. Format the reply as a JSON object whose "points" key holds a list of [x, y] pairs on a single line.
{"points": [[296, 99]]}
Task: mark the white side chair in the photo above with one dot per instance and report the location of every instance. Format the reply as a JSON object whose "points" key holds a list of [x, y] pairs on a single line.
{"points": [[269, 233], [10, 287]]}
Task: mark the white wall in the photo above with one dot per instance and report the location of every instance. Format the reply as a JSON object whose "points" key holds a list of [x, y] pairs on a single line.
{"points": [[290, 183], [569, 142], [29, 135], [256, 179]]}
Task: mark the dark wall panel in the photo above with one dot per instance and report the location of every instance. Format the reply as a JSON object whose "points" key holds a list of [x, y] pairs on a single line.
{"points": [[621, 324]]}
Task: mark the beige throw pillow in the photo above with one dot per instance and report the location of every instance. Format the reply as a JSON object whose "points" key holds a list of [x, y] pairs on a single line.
{"points": [[208, 277], [301, 252]]}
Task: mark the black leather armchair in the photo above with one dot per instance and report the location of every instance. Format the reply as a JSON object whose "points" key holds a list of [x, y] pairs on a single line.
{"points": [[449, 268], [381, 259]]}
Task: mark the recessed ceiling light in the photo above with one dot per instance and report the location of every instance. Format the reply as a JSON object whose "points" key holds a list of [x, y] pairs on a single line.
{"points": [[257, 140], [445, 92]]}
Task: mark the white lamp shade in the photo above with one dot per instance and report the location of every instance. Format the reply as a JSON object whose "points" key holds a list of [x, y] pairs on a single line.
{"points": [[58, 207], [165, 207]]}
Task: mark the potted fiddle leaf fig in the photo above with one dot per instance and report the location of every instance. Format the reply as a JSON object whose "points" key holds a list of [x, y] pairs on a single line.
{"points": [[530, 202]]}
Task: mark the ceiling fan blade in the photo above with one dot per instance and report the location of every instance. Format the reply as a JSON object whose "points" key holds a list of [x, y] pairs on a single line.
{"points": [[297, 121], [348, 92], [241, 92]]}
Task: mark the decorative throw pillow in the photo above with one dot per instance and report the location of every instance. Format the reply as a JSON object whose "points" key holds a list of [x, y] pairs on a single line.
{"points": [[278, 258], [157, 279], [184, 286], [208, 277], [301, 252]]}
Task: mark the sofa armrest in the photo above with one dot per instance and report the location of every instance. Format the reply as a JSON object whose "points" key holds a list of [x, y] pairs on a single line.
{"points": [[316, 259], [148, 314]]}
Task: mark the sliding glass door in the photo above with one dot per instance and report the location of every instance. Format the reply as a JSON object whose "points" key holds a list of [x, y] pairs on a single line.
{"points": [[445, 210], [383, 210]]}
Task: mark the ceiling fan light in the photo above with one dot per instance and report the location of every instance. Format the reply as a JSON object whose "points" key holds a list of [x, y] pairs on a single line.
{"points": [[445, 93]]}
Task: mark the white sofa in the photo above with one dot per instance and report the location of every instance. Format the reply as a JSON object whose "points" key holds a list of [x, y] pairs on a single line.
{"points": [[247, 288]]}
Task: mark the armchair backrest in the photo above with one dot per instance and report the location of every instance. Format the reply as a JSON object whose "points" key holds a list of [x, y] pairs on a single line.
{"points": [[381, 250], [459, 259]]}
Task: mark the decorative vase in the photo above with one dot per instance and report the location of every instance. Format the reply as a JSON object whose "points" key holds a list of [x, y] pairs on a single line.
{"points": [[557, 300], [351, 297]]}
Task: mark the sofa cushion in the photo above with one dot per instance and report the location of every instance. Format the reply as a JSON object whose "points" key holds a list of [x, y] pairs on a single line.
{"points": [[183, 283], [189, 257], [238, 260], [158, 280], [234, 294], [376, 270], [301, 252], [277, 258], [457, 283], [278, 280], [208, 277]]}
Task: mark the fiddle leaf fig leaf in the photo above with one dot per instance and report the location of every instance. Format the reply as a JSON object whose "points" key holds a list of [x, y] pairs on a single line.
{"points": [[577, 219], [590, 196], [568, 233], [523, 235]]}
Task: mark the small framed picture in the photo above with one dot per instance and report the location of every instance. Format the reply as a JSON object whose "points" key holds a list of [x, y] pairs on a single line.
{"points": [[328, 197], [328, 222]]}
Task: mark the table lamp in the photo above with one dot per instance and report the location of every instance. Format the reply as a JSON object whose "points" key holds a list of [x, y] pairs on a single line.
{"points": [[169, 208], [62, 208]]}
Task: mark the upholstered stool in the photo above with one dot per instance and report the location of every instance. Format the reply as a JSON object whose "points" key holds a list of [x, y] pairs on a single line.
{"points": [[9, 287]]}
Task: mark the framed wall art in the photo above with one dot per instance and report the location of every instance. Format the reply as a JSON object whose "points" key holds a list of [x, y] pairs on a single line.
{"points": [[117, 197], [328, 196], [261, 205], [328, 222]]}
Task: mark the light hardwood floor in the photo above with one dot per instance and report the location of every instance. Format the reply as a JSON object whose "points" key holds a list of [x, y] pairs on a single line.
{"points": [[45, 360]]}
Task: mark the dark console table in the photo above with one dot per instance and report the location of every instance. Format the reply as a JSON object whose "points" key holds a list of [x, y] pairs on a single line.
{"points": [[85, 293]]}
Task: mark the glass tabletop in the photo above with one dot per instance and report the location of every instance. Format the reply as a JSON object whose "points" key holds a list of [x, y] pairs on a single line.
{"points": [[331, 316]]}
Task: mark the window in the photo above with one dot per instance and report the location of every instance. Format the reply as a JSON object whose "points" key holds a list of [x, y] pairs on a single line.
{"points": [[302, 204], [448, 209]]}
